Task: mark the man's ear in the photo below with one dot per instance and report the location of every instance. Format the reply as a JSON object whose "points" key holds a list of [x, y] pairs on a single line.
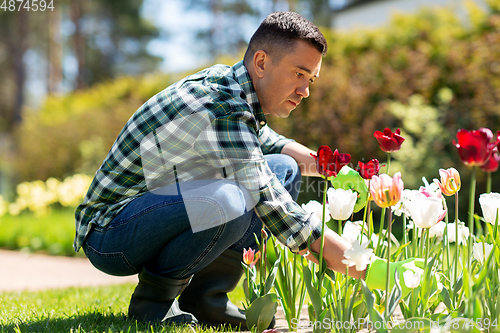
{"points": [[260, 59]]}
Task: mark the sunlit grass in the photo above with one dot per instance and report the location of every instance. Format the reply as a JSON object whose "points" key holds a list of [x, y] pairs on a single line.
{"points": [[90, 309]]}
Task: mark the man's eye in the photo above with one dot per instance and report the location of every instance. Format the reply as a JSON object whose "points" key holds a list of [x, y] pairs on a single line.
{"points": [[311, 81], [299, 75]]}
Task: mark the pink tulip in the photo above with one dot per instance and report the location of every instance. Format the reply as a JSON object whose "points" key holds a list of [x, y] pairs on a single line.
{"points": [[450, 181], [386, 191]]}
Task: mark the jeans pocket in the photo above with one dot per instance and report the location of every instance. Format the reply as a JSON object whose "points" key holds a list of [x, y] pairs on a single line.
{"points": [[113, 263]]}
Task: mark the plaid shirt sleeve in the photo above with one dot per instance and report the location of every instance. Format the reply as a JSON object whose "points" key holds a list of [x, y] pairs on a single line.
{"points": [[271, 142]]}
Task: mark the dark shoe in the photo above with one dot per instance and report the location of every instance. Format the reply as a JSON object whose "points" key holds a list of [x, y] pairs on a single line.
{"points": [[206, 296], [154, 300]]}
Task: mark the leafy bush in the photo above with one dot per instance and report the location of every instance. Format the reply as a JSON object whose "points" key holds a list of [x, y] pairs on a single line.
{"points": [[52, 233], [366, 71], [73, 133]]}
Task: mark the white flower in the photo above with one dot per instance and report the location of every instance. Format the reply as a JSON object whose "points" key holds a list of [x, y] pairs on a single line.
{"points": [[490, 204], [316, 208], [401, 206], [352, 231], [411, 279], [425, 211], [434, 231], [341, 203], [437, 230], [463, 232], [358, 255], [481, 251]]}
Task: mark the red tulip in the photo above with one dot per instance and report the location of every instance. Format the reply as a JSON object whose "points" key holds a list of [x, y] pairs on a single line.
{"points": [[475, 147], [329, 164], [493, 162], [388, 141], [369, 169]]}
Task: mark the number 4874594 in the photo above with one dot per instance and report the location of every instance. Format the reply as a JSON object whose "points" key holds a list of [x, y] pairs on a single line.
{"points": [[33, 5]]}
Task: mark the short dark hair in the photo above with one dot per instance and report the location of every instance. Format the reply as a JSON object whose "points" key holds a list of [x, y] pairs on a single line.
{"points": [[279, 32]]}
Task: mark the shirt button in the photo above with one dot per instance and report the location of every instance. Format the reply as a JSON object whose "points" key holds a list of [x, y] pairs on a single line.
{"points": [[262, 123]]}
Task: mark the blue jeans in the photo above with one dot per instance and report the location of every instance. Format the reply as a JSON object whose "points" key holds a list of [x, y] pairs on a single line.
{"points": [[154, 230]]}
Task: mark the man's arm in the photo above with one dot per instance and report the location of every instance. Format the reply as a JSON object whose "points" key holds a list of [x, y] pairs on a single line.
{"points": [[333, 252], [335, 246], [302, 155]]}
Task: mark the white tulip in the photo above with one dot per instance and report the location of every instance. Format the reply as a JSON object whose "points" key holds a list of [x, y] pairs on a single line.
{"points": [[341, 203], [412, 280], [425, 211], [481, 251], [490, 204], [316, 208]]}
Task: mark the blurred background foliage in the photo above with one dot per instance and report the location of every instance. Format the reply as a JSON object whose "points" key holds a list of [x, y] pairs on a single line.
{"points": [[429, 73]]}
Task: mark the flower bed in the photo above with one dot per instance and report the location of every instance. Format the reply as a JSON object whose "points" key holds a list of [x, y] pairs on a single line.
{"points": [[443, 275]]}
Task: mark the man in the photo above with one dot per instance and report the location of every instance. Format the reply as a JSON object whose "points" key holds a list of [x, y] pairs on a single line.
{"points": [[196, 172]]}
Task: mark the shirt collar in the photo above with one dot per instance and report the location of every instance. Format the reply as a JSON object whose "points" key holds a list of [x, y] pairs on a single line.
{"points": [[245, 81]]}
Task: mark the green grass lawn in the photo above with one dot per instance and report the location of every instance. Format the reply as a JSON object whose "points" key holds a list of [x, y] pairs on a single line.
{"points": [[94, 309]]}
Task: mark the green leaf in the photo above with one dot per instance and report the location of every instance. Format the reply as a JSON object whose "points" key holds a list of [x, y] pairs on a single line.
{"points": [[261, 312], [375, 317], [272, 275], [349, 179], [314, 294], [395, 295], [445, 297]]}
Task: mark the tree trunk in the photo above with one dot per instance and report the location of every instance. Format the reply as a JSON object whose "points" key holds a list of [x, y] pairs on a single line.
{"points": [[215, 8], [55, 51], [78, 42], [19, 47]]}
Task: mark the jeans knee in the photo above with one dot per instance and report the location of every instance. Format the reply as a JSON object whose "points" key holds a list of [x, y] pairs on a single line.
{"points": [[234, 200], [226, 202]]}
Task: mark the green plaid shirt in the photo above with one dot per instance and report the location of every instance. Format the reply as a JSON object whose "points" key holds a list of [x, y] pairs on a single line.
{"points": [[167, 140]]}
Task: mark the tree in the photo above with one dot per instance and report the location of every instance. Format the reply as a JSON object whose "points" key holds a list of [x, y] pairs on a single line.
{"points": [[105, 38]]}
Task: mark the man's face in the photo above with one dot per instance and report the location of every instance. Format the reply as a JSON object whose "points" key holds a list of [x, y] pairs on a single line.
{"points": [[284, 83]]}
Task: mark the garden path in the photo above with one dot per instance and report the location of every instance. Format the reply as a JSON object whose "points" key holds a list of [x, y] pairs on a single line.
{"points": [[27, 271]]}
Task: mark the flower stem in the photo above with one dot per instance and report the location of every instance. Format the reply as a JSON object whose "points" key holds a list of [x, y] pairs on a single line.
{"points": [[405, 236], [388, 275], [320, 277], [388, 162], [427, 246], [456, 239], [488, 182], [446, 243], [472, 195], [381, 229]]}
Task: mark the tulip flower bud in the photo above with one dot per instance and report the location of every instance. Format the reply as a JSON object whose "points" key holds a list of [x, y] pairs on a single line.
{"points": [[248, 256]]}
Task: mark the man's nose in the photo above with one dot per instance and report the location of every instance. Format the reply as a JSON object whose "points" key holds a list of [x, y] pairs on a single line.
{"points": [[303, 91]]}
